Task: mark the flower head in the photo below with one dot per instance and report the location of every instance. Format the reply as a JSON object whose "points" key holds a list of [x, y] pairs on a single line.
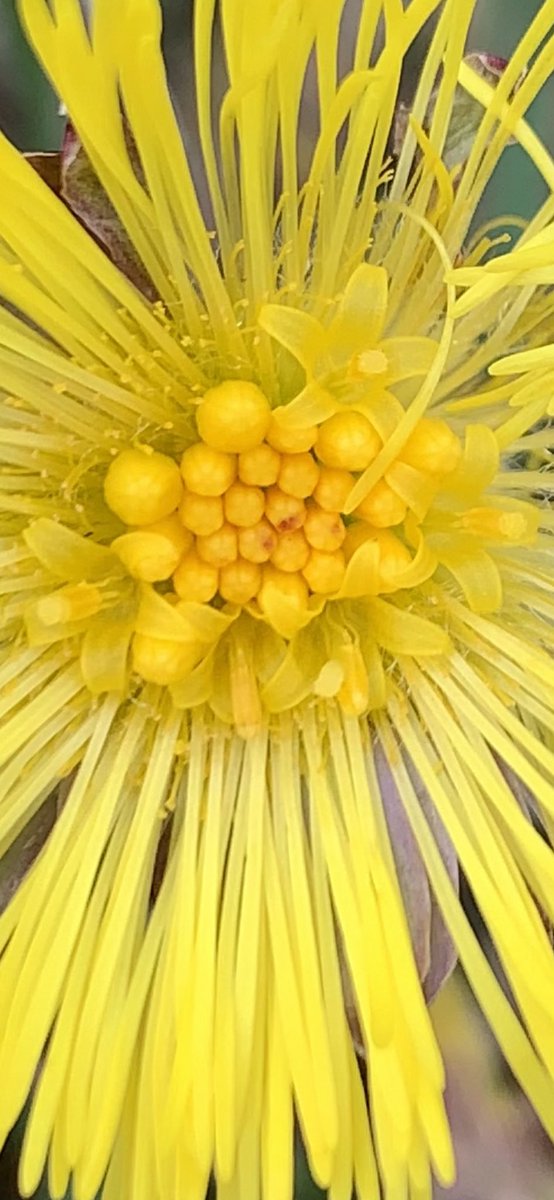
{"points": [[276, 602]]}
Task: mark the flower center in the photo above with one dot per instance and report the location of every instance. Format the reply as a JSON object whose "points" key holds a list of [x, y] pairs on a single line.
{"points": [[254, 514]]}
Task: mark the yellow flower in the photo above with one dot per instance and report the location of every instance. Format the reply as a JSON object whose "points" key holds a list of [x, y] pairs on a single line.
{"points": [[276, 603]]}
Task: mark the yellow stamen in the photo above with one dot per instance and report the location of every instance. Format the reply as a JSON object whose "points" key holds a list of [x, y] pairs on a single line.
{"points": [[285, 512]]}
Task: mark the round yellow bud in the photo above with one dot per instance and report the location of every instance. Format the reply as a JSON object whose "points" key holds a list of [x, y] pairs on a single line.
{"points": [[243, 505], [382, 506], [285, 512], [234, 416], [288, 439], [161, 661], [282, 584], [153, 553], [218, 548], [291, 552], [259, 466], [348, 440], [257, 543], [394, 557], [298, 475], [240, 581], [201, 514], [432, 447], [324, 572], [333, 488], [206, 471], [195, 579], [323, 530], [142, 487]]}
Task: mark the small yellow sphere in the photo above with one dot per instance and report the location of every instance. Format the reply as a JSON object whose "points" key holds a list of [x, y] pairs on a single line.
{"points": [[324, 572], [219, 548], [142, 487], [195, 579], [258, 542], [394, 558], [285, 512], [382, 506], [291, 552], [298, 475], [234, 416], [278, 584], [333, 488], [290, 439], [348, 440], [243, 505], [432, 447], [206, 471], [260, 466], [240, 581], [161, 661], [201, 514], [324, 530]]}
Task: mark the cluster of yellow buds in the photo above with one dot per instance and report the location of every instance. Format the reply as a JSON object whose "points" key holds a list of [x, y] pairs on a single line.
{"points": [[255, 508]]}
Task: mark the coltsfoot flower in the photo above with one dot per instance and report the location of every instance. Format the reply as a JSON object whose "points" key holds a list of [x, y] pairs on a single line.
{"points": [[276, 603]]}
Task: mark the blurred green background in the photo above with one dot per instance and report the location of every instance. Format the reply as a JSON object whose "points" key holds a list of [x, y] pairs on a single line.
{"points": [[501, 1151]]}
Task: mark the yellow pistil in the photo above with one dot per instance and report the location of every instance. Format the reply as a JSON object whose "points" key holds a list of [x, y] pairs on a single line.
{"points": [[72, 603], [494, 524]]}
